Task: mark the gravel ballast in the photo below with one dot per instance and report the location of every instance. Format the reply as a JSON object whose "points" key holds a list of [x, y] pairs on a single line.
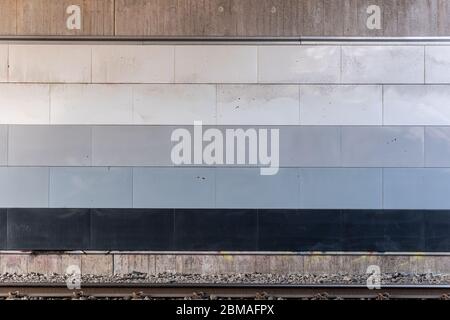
{"points": [[238, 278]]}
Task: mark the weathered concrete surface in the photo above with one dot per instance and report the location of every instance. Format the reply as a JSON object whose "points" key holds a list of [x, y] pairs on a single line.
{"points": [[97, 264], [241, 18], [124, 263]]}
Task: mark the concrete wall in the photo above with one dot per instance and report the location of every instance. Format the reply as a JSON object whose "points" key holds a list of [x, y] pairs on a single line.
{"points": [[153, 264], [234, 18]]}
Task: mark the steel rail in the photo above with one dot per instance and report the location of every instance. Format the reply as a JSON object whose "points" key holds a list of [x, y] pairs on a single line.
{"points": [[243, 291]]}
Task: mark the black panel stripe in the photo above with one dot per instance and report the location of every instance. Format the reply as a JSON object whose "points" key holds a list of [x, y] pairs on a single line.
{"points": [[225, 230]]}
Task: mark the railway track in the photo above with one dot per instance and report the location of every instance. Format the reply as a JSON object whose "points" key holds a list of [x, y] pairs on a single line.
{"points": [[221, 291]]}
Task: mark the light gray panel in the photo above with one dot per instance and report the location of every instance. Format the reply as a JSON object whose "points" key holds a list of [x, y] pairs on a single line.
{"points": [[347, 188], [417, 105], [341, 105], [23, 187], [299, 64], [131, 145], [49, 146], [3, 145], [246, 188], [173, 187], [258, 104], [437, 146], [437, 64], [418, 188], [59, 63], [169, 104], [94, 104], [132, 63], [91, 187], [383, 64], [382, 146], [216, 64], [310, 146], [24, 103]]}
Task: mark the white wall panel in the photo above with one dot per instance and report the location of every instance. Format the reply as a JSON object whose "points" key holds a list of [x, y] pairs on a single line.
{"points": [[133, 64], [341, 105], [417, 105], [299, 64], [24, 103], [91, 104], [3, 63], [174, 104], [257, 104], [382, 64], [215, 64], [50, 63]]}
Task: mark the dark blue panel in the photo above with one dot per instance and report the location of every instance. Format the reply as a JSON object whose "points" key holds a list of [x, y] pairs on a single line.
{"points": [[3, 229], [48, 229], [128, 229], [300, 230], [226, 230], [437, 231], [383, 231]]}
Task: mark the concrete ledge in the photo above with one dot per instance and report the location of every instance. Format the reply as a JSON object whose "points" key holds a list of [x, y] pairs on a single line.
{"points": [[101, 264]]}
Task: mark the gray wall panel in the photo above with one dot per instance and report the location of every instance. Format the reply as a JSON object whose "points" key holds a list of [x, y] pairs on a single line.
{"points": [[416, 188], [173, 188], [49, 146], [246, 188], [24, 187], [383, 146], [131, 146], [347, 188], [437, 146], [310, 146], [3, 145], [91, 187]]}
